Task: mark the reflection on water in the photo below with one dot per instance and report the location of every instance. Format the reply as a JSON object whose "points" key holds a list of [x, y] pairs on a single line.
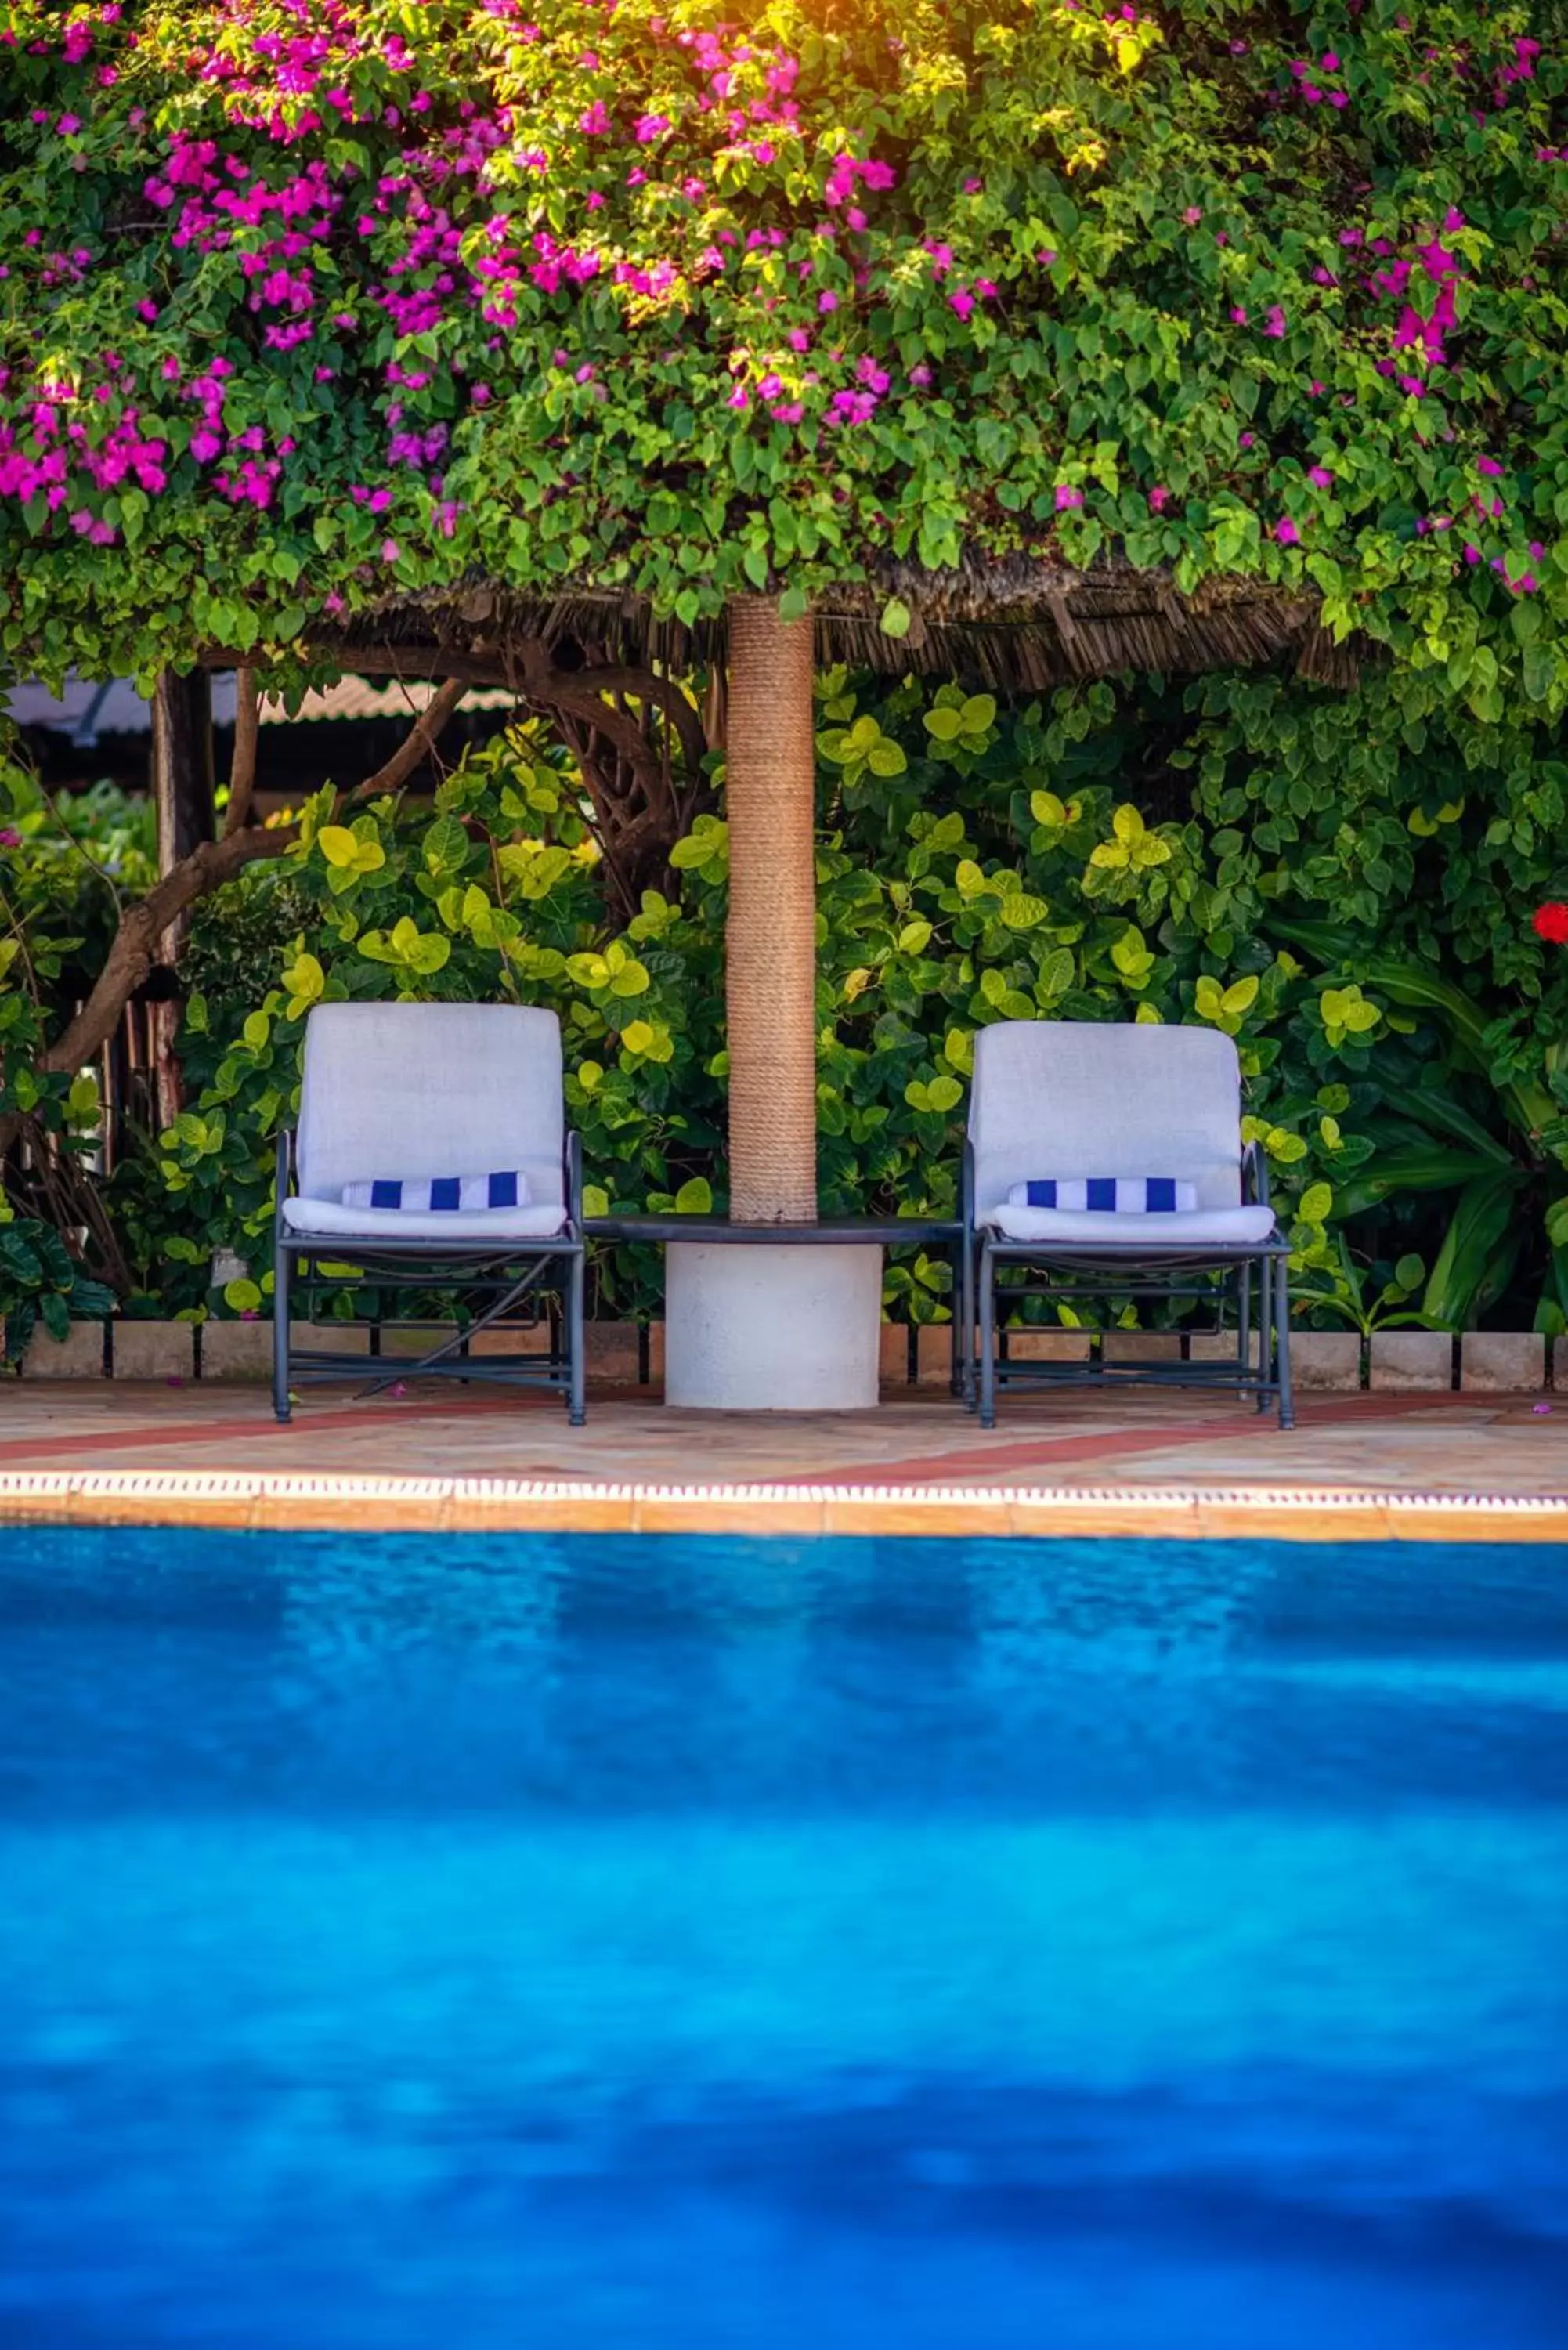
{"points": [[610, 1943]]}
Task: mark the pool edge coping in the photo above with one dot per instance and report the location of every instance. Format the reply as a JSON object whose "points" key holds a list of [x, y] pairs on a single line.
{"points": [[262, 1501]]}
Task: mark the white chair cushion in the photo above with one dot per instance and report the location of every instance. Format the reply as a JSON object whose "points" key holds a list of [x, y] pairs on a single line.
{"points": [[418, 1089], [330, 1219], [1227, 1226], [1118, 1097]]}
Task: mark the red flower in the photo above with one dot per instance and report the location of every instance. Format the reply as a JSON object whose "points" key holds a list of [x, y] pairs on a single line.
{"points": [[1551, 921]]}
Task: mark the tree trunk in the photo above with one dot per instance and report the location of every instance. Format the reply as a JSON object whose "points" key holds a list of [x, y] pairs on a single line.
{"points": [[183, 798], [182, 765], [771, 941]]}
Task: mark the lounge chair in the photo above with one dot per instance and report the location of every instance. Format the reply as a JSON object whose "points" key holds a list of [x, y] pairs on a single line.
{"points": [[1071, 1100], [406, 1096]]}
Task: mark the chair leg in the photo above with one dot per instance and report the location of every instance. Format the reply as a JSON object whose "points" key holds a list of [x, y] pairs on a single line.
{"points": [[966, 1311], [577, 1342], [280, 1271], [1282, 1342], [1265, 1325], [987, 1340], [1244, 1321]]}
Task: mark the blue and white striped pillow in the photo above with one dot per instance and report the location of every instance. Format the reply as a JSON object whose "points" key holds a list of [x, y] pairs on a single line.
{"points": [[1108, 1195], [467, 1194]]}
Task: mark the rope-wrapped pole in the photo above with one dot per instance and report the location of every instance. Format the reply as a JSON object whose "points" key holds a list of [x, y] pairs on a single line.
{"points": [[771, 941]]}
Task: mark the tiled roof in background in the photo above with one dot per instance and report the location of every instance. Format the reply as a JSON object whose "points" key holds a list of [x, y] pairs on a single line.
{"points": [[85, 711]]}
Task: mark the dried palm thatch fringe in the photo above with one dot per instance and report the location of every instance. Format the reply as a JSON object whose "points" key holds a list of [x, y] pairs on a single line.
{"points": [[1013, 625]]}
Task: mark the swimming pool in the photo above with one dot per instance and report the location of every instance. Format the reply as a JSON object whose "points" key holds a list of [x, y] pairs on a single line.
{"points": [[601, 1943]]}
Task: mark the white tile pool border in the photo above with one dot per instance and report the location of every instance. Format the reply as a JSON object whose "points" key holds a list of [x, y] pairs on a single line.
{"points": [[262, 1500]]}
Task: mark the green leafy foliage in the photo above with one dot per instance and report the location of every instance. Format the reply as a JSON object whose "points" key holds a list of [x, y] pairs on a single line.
{"points": [[1400, 1027], [39, 1281], [683, 303]]}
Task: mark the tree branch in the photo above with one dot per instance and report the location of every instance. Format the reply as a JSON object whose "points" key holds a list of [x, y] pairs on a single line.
{"points": [[132, 951], [415, 744], [134, 947]]}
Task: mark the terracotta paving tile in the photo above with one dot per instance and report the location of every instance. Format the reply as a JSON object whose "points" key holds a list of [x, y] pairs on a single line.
{"points": [[1147, 1444]]}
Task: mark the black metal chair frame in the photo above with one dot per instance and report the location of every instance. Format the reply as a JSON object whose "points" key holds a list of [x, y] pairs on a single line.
{"points": [[1077, 1273], [549, 1272]]}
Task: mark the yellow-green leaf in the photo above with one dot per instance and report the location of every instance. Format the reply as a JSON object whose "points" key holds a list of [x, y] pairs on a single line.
{"points": [[338, 844]]}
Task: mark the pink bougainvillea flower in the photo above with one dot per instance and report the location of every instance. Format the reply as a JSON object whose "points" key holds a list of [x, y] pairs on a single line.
{"points": [[962, 301], [1067, 497], [1238, 316], [1276, 322], [1490, 466], [1286, 532], [595, 123], [1320, 477], [1158, 498], [826, 302], [9, 838], [389, 550], [1192, 216]]}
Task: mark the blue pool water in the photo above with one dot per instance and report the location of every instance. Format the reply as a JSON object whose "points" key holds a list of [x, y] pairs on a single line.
{"points": [[590, 1944]]}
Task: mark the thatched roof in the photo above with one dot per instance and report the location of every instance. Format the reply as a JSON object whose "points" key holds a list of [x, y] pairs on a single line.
{"points": [[1015, 625]]}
